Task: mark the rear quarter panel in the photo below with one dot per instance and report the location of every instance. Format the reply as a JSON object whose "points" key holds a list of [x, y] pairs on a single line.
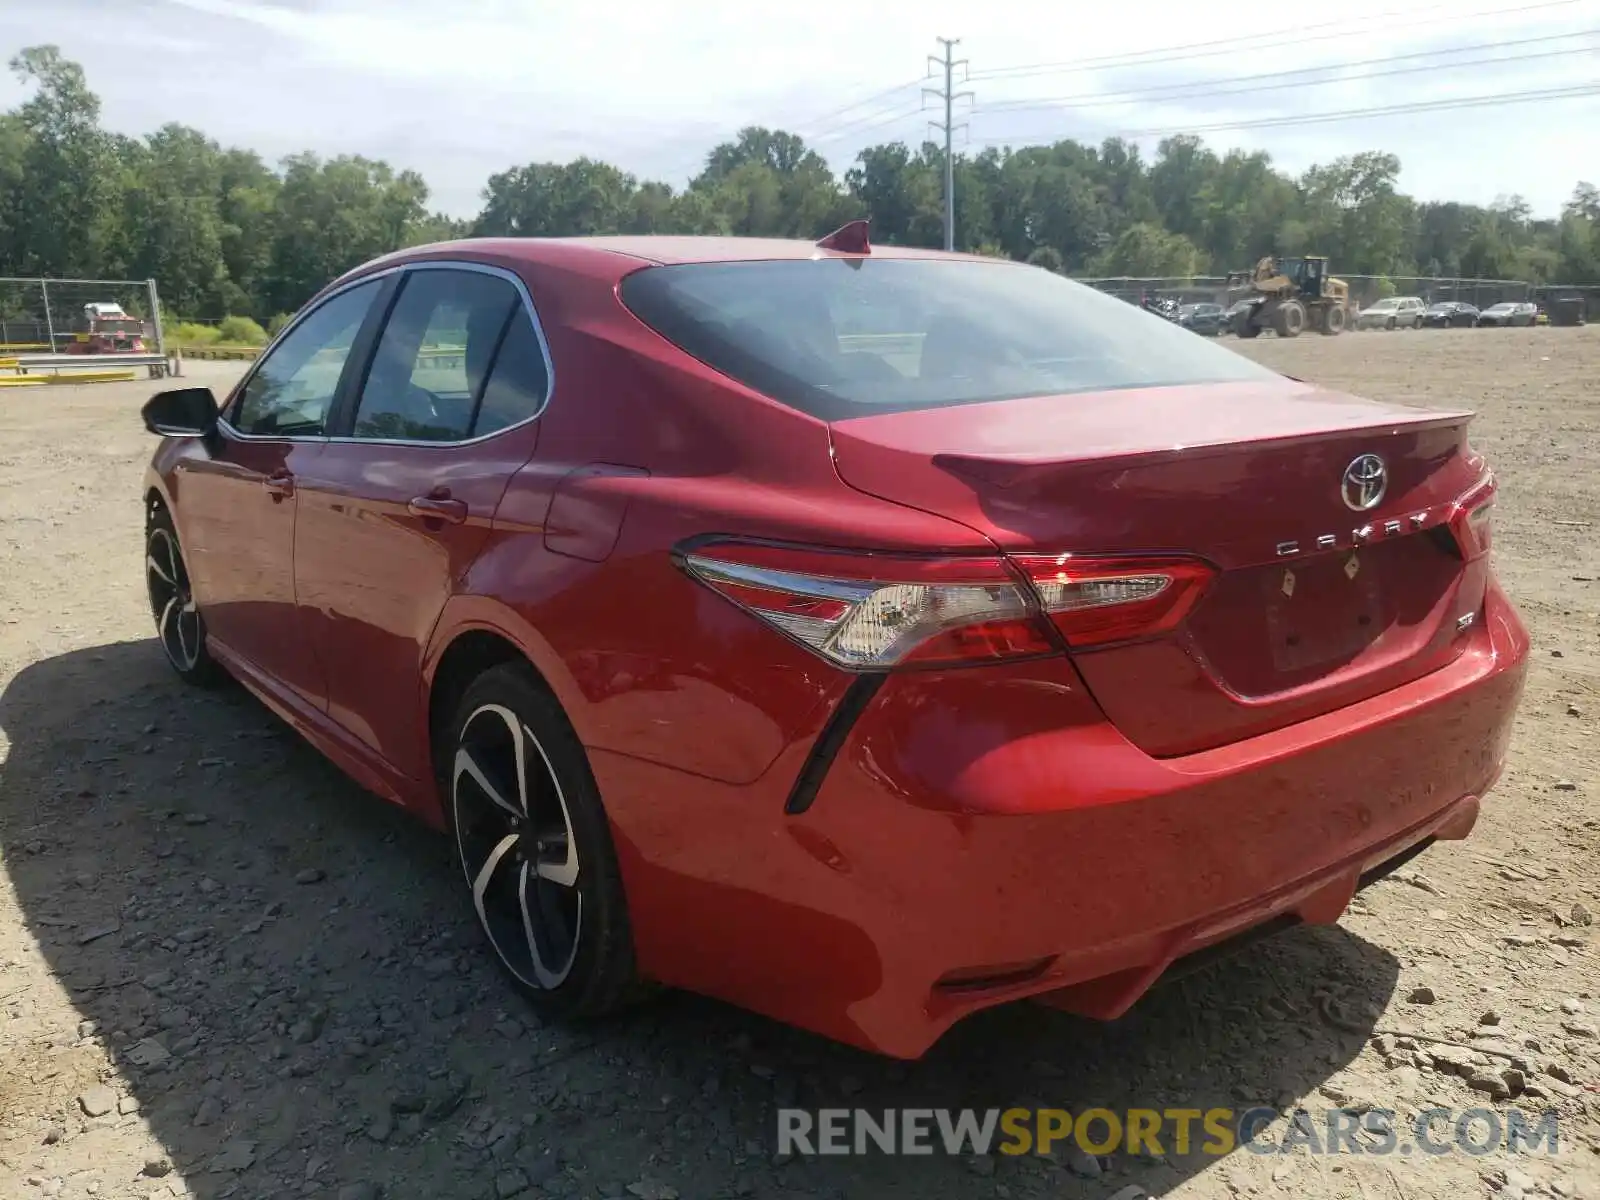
{"points": [[645, 661]]}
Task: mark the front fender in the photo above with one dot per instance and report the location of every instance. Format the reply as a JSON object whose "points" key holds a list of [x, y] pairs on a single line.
{"points": [[155, 482]]}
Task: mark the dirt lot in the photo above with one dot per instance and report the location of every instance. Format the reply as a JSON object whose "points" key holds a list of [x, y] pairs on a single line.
{"points": [[226, 971]]}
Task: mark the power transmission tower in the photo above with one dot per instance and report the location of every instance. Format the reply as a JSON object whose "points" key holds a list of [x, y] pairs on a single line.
{"points": [[948, 65]]}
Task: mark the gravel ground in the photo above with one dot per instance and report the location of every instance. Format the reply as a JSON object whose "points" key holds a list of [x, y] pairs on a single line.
{"points": [[225, 971]]}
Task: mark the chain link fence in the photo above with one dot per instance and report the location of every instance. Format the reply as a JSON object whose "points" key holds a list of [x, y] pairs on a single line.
{"points": [[1189, 289], [1364, 289], [80, 316]]}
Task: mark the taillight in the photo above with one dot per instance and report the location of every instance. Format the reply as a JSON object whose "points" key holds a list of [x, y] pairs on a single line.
{"points": [[1093, 601], [1472, 518], [873, 611], [877, 611]]}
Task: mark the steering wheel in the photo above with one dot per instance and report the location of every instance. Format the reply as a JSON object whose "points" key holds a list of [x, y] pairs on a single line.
{"points": [[418, 404]]}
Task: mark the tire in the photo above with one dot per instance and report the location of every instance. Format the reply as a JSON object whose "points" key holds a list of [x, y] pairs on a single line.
{"points": [[554, 915], [180, 627], [1289, 319], [1333, 322], [1389, 325]]}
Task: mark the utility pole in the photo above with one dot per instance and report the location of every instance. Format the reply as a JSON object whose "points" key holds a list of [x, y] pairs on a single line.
{"points": [[948, 65]]}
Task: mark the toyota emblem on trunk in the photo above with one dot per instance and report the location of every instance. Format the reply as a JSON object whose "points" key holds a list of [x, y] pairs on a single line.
{"points": [[1365, 481]]}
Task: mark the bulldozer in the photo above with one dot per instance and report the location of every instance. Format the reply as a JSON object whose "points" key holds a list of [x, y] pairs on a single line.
{"points": [[1290, 296]]}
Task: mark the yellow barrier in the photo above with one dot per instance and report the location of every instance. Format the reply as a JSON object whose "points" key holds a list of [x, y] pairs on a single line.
{"points": [[91, 377], [13, 346], [10, 381], [224, 353]]}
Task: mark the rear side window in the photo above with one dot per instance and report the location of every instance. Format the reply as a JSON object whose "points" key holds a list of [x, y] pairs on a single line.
{"points": [[840, 338], [519, 382], [431, 362]]}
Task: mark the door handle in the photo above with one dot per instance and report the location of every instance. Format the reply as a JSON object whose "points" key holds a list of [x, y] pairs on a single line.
{"points": [[438, 508], [279, 485]]}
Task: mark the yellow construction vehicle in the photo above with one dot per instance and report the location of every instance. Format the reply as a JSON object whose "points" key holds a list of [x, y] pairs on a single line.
{"points": [[1291, 295]]}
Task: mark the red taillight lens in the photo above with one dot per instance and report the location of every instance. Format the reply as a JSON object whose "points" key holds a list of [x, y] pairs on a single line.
{"points": [[1472, 518], [874, 611], [1094, 601]]}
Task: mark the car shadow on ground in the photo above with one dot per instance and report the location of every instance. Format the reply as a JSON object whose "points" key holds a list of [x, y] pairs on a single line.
{"points": [[284, 971]]}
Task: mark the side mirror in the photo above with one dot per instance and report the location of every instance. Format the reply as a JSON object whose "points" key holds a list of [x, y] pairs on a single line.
{"points": [[181, 412]]}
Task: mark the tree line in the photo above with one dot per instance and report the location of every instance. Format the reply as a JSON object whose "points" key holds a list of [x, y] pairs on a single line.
{"points": [[226, 233]]}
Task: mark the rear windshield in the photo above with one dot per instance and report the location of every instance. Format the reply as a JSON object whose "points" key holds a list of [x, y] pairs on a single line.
{"points": [[840, 338]]}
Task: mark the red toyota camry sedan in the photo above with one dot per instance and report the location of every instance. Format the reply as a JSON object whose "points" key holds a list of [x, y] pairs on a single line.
{"points": [[863, 636]]}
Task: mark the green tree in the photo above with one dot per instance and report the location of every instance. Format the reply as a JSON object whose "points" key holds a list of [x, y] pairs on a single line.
{"points": [[767, 183], [582, 197], [1046, 257], [226, 233], [334, 215], [65, 213], [901, 195], [1353, 210], [785, 153], [1147, 251], [174, 222]]}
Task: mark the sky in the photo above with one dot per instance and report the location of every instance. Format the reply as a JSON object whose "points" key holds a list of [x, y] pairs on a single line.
{"points": [[461, 91]]}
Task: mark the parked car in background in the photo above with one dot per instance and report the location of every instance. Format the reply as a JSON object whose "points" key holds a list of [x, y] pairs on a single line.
{"points": [[1450, 314], [1165, 307], [861, 636], [1208, 320], [1509, 312], [1397, 312]]}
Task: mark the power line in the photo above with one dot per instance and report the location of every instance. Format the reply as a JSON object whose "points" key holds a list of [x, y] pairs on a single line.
{"points": [[818, 130], [1568, 93], [860, 122], [810, 131], [1193, 50], [870, 121], [865, 100], [949, 95], [1206, 89]]}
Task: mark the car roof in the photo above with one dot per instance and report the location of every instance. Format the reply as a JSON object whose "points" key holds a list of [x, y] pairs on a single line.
{"points": [[608, 259], [663, 249]]}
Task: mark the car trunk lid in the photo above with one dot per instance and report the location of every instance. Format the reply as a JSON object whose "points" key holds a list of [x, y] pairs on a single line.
{"points": [[1314, 605]]}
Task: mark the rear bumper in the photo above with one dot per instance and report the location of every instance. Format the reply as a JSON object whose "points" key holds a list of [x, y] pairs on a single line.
{"points": [[985, 836]]}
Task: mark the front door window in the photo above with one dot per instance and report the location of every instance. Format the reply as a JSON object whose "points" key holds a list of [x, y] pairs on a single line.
{"points": [[291, 392]]}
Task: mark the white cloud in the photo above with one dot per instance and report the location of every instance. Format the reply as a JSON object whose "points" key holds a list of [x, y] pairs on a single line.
{"points": [[459, 93]]}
